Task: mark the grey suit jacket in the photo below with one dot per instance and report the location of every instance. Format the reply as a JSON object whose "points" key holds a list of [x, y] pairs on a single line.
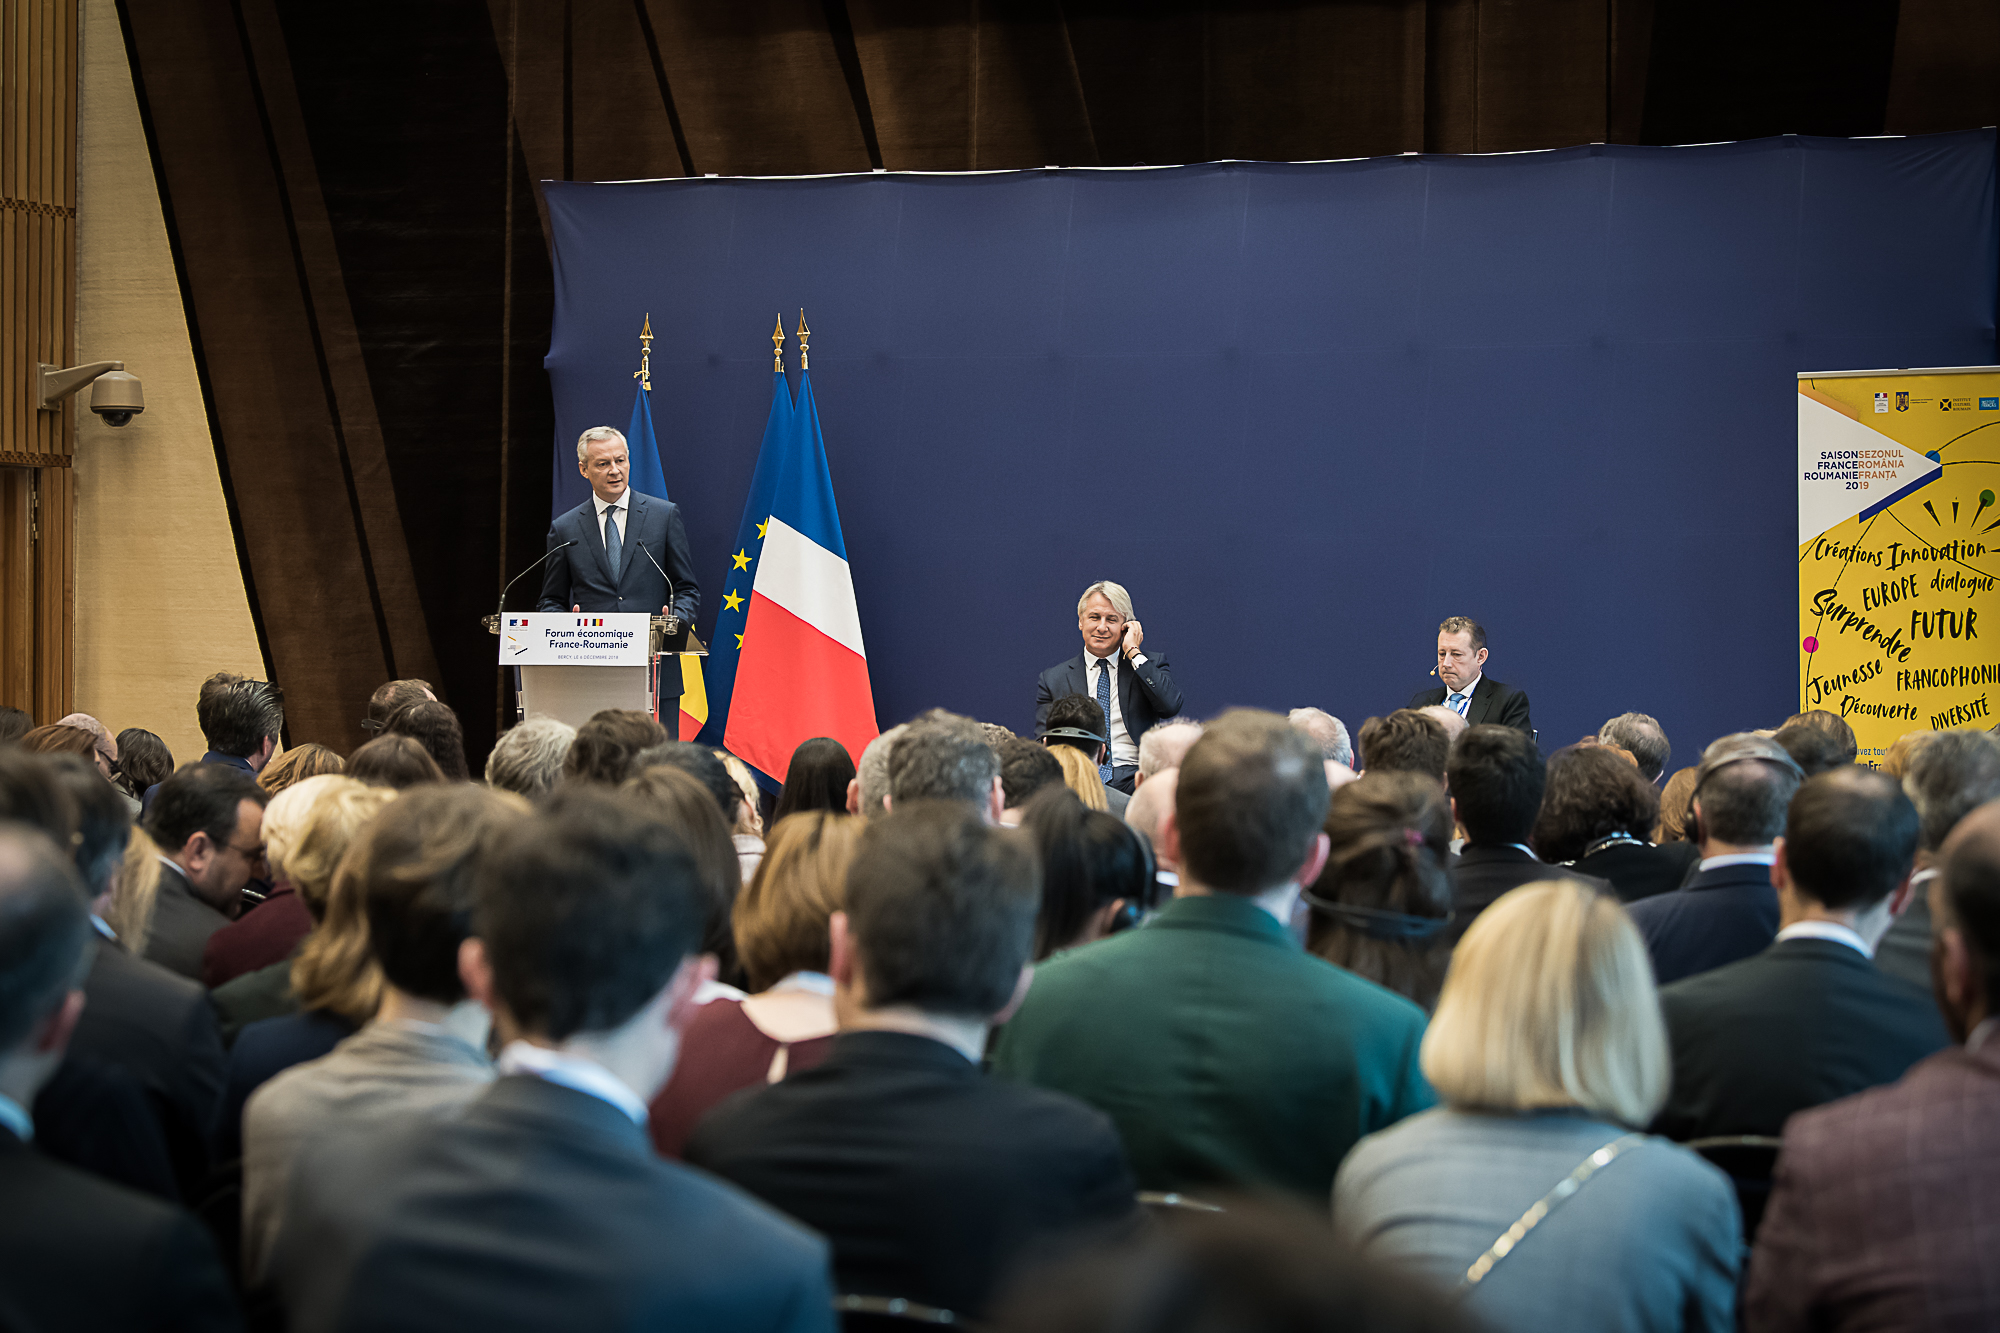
{"points": [[381, 1079], [181, 925], [1650, 1244], [540, 1207]]}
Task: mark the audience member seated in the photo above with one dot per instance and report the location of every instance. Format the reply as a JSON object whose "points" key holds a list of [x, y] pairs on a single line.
{"points": [[1406, 741], [1382, 907], [528, 758], [75, 1252], [748, 830], [816, 779], [1077, 723], [1450, 719], [241, 720], [435, 727], [152, 1026], [931, 1180], [1728, 909], [1812, 749], [1676, 806], [780, 923], [1549, 1054], [587, 918], [1165, 744], [396, 762], [60, 738], [605, 746], [704, 766], [678, 799], [1598, 812], [1641, 737], [1496, 779], [1025, 769], [1147, 816], [1882, 1215], [103, 753], [1328, 731], [1097, 876], [1832, 724], [208, 821], [1947, 777], [1896, 759], [1811, 1018], [944, 757], [129, 914], [391, 696], [1257, 1268], [869, 792], [270, 931], [1227, 1055], [336, 807], [144, 761], [335, 983], [14, 724], [423, 1055], [296, 765]]}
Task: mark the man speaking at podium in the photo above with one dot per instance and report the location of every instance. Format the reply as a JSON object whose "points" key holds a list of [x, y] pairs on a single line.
{"points": [[625, 548], [1135, 689], [1467, 689]]}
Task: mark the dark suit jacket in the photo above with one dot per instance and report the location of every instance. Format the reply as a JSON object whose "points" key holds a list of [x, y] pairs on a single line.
{"points": [[157, 1027], [540, 1207], [1227, 1056], [1494, 703], [1882, 1216], [82, 1256], [266, 934], [1721, 915], [580, 577], [1147, 695], [932, 1180], [262, 1051], [181, 925], [1641, 872], [1483, 874], [96, 1117], [1801, 1024]]}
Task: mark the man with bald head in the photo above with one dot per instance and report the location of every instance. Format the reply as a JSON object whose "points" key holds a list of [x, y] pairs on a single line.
{"points": [[1882, 1215]]}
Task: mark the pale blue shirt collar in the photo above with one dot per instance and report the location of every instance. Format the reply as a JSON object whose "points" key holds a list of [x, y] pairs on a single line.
{"points": [[1737, 859], [14, 1118], [1467, 692], [1826, 930], [572, 1071], [103, 927]]}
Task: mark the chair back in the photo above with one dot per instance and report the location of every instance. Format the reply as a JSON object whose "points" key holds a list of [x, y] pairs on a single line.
{"points": [[892, 1314], [1747, 1159]]}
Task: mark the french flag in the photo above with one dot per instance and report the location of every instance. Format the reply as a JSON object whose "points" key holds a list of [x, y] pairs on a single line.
{"points": [[801, 668]]}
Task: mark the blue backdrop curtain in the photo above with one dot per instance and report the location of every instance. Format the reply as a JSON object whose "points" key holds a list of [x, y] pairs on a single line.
{"points": [[1303, 411]]}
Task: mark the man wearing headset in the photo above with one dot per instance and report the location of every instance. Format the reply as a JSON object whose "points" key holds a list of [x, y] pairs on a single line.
{"points": [[1729, 908], [1467, 689]]}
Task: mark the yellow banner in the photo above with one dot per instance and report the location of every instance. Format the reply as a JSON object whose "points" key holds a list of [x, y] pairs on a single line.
{"points": [[1899, 550]]}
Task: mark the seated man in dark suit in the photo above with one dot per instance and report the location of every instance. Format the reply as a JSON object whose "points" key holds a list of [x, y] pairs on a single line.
{"points": [[1948, 775], [628, 552], [1811, 1018], [1467, 690], [1882, 1215], [1135, 689], [241, 720], [208, 821], [1496, 778], [932, 1180], [1228, 1057], [75, 1252], [543, 1205], [1728, 909]]}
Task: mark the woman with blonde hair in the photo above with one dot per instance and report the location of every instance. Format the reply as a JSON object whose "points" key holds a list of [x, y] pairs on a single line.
{"points": [[748, 832], [1534, 1192], [296, 765], [1080, 776], [780, 922]]}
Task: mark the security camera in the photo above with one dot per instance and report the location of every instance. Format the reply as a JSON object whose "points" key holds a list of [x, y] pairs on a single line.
{"points": [[114, 395], [117, 397]]}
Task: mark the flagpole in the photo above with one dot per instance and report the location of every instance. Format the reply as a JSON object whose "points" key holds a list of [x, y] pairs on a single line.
{"points": [[644, 373], [804, 333], [778, 346]]}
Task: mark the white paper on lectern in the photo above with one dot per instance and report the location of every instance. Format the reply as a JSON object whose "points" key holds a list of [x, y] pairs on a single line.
{"points": [[569, 638]]}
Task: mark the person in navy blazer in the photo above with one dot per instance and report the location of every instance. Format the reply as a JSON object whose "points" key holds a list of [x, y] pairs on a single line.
{"points": [[1146, 693], [582, 578], [1462, 668]]}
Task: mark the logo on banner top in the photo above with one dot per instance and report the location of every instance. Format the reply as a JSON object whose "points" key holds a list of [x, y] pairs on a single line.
{"points": [[1902, 400], [1882, 401]]}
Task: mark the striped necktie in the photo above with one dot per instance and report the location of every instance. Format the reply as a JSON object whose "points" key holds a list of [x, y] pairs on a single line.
{"points": [[1457, 702], [1104, 705]]}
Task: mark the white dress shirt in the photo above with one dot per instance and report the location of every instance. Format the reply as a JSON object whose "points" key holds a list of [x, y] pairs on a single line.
{"points": [[1826, 930], [1124, 750], [572, 1071], [1467, 692], [1736, 859], [623, 505]]}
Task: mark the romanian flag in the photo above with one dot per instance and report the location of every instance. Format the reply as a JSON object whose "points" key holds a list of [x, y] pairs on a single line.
{"points": [[801, 670]]}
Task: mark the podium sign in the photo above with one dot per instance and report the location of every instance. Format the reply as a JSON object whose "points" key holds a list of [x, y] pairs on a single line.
{"points": [[570, 638]]}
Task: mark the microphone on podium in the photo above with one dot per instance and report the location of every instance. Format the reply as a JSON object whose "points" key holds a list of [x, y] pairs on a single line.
{"points": [[493, 621], [673, 629]]}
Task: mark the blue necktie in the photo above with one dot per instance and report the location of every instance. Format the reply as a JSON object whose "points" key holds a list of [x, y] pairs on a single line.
{"points": [[613, 546], [1457, 702], [1104, 705]]}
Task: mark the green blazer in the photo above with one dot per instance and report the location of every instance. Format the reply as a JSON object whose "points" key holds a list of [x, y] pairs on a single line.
{"points": [[1228, 1056]]}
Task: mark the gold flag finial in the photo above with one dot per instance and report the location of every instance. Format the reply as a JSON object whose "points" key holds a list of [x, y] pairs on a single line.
{"points": [[778, 346], [644, 373], [804, 333]]}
